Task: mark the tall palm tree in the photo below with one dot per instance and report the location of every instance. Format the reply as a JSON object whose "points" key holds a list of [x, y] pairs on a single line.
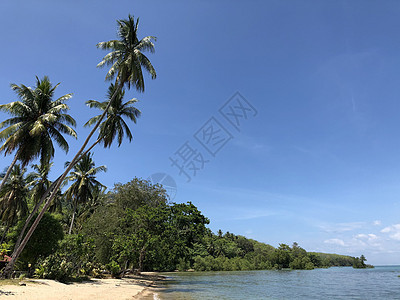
{"points": [[37, 121], [114, 124], [127, 60], [126, 57], [84, 184], [13, 196]]}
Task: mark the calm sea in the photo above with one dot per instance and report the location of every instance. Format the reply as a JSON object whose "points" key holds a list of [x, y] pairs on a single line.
{"points": [[333, 283]]}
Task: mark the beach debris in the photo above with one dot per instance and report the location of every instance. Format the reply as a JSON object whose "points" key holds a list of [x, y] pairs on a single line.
{"points": [[6, 293]]}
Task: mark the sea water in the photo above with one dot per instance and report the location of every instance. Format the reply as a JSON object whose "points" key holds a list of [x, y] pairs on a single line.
{"points": [[382, 282]]}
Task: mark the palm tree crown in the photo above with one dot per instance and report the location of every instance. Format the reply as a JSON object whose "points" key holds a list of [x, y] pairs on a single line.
{"points": [[126, 57], [84, 180], [37, 121], [84, 184], [114, 124]]}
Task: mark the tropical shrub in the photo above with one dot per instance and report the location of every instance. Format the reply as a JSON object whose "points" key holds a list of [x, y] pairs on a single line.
{"points": [[114, 269], [73, 259]]}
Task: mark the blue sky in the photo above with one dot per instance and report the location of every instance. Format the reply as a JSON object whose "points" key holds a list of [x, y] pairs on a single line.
{"points": [[318, 164]]}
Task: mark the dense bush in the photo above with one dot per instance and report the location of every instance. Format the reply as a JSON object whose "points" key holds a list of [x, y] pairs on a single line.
{"points": [[74, 258], [44, 240]]}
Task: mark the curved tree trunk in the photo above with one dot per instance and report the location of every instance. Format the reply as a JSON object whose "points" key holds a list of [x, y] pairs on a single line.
{"points": [[10, 266], [44, 196], [9, 170], [34, 211]]}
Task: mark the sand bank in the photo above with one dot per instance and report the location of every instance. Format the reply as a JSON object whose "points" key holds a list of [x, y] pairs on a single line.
{"points": [[103, 289]]}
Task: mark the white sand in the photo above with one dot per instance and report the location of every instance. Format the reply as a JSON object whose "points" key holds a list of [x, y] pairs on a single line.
{"points": [[112, 289]]}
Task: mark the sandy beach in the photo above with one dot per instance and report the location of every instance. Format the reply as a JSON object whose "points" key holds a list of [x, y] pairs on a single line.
{"points": [[142, 287]]}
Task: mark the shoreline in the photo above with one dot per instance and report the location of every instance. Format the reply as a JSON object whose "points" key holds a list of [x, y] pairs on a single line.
{"points": [[130, 287]]}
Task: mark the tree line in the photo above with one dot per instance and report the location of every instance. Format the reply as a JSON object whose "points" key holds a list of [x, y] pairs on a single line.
{"points": [[134, 228]]}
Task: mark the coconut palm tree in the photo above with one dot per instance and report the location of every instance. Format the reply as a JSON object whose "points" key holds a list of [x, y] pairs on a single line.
{"points": [[126, 57], [114, 124], [84, 184], [37, 121], [41, 183], [13, 196], [127, 60]]}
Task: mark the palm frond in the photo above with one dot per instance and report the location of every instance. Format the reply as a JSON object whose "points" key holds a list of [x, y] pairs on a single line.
{"points": [[60, 140], [67, 119], [95, 104], [146, 44], [63, 128]]}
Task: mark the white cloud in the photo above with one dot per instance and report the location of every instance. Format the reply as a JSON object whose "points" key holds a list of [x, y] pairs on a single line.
{"points": [[361, 236], [365, 241], [357, 243], [335, 242], [372, 236], [369, 236], [377, 222], [393, 230]]}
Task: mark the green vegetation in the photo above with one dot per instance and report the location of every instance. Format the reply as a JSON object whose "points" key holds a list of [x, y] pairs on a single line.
{"points": [[38, 120], [359, 263], [147, 233], [229, 252], [70, 228]]}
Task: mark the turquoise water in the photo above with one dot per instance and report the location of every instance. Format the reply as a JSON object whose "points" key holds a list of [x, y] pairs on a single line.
{"points": [[333, 283]]}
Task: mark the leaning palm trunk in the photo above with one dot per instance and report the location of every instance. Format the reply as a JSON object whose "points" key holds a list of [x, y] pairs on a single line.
{"points": [[44, 196], [10, 266], [34, 211], [9, 170]]}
